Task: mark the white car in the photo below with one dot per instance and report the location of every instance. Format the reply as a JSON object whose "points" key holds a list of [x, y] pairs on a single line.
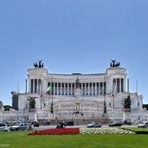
{"points": [[94, 125], [21, 126], [144, 124], [4, 127]]}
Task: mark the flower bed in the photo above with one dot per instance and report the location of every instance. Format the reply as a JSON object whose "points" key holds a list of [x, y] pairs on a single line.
{"points": [[105, 131], [57, 131], [71, 131]]}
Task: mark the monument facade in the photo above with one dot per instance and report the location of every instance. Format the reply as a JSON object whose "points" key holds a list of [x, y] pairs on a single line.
{"points": [[78, 96]]}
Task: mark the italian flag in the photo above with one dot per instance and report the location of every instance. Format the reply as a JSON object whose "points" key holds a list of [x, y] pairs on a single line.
{"points": [[49, 89]]}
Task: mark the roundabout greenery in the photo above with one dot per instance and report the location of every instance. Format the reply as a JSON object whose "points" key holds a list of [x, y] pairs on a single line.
{"points": [[21, 139]]}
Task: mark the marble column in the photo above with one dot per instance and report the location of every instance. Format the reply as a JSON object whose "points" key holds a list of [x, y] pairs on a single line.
{"points": [[85, 88], [61, 89], [81, 88], [92, 88], [53, 88], [88, 88], [120, 85], [116, 85], [40, 86], [71, 88], [57, 88], [95, 88], [124, 85], [33, 85], [67, 88], [36, 85], [64, 88], [102, 88], [29, 85]]}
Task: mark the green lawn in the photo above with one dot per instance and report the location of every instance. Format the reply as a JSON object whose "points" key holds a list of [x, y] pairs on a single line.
{"points": [[138, 130], [20, 139]]}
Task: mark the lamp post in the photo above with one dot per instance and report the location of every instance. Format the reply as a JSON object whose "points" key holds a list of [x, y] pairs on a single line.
{"points": [[113, 102], [26, 112], [50, 93], [51, 107], [104, 105]]}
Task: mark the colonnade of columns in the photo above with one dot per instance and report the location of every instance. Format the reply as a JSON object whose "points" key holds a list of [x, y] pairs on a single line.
{"points": [[118, 85], [35, 85], [94, 88]]}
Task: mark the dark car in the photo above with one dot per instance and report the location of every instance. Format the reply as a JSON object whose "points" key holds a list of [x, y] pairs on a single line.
{"points": [[69, 123], [127, 122], [94, 125], [35, 124], [60, 125], [115, 124]]}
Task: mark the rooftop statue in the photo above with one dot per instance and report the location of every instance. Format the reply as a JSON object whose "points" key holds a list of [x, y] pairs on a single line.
{"points": [[39, 64], [113, 63]]}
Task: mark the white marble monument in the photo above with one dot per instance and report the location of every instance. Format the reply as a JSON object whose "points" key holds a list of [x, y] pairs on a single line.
{"points": [[78, 96]]}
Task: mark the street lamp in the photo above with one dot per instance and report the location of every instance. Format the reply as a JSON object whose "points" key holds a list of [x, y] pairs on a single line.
{"points": [[51, 93], [51, 107], [104, 105]]}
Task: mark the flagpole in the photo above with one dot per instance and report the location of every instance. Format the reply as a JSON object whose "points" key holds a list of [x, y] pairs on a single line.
{"points": [[17, 86], [136, 86]]}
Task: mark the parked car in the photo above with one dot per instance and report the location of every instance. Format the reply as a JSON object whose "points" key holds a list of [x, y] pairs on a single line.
{"points": [[127, 122], [115, 124], [60, 125], [69, 123], [94, 125], [35, 124], [4, 127], [21, 126], [143, 125]]}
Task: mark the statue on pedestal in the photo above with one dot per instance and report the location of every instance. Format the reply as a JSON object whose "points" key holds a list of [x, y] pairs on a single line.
{"points": [[77, 90], [77, 83]]}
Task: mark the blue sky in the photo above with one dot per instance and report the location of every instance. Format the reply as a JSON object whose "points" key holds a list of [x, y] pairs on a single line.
{"points": [[72, 36]]}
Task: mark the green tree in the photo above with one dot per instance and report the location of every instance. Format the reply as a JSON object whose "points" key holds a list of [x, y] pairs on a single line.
{"points": [[7, 107]]}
